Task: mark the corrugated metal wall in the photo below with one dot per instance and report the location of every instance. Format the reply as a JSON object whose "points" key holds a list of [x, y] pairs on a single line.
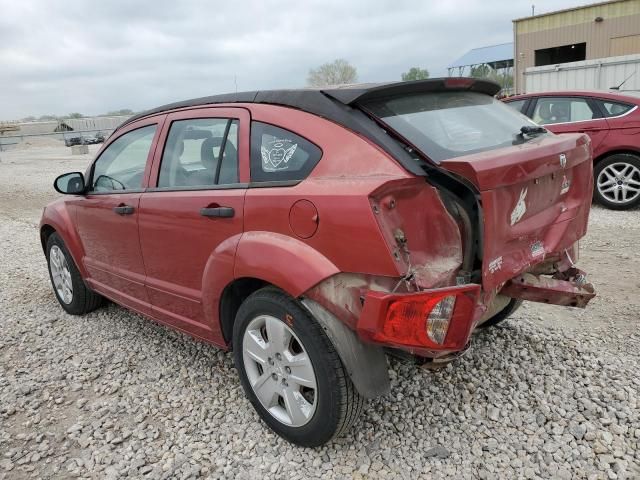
{"points": [[600, 74], [614, 35]]}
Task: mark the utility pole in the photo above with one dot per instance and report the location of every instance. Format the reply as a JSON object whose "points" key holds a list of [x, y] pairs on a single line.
{"points": [[533, 10]]}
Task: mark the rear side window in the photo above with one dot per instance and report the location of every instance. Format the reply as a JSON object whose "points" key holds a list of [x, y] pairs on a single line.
{"points": [[193, 155], [614, 109], [563, 110], [445, 125], [280, 155]]}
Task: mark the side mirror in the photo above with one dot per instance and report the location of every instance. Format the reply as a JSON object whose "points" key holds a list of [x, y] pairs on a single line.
{"points": [[70, 183]]}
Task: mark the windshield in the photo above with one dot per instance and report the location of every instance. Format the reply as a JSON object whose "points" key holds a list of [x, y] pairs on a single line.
{"points": [[446, 125]]}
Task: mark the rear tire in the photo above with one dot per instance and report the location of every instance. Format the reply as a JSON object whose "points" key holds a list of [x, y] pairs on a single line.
{"points": [[503, 314], [617, 181], [291, 372], [69, 287]]}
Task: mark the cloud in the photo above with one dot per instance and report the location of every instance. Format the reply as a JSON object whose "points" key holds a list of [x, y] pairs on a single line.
{"points": [[59, 57]]}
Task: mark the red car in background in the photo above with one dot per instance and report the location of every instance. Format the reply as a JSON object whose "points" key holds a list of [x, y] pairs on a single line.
{"points": [[612, 120], [315, 232]]}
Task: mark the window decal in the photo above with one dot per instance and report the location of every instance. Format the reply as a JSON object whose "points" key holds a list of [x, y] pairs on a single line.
{"points": [[276, 154]]}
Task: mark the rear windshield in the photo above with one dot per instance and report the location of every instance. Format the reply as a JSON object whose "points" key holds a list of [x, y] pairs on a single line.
{"points": [[446, 125]]}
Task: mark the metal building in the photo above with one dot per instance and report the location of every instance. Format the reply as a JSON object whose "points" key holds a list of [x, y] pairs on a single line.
{"points": [[597, 31]]}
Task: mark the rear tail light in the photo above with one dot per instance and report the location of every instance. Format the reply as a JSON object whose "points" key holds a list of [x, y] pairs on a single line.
{"points": [[438, 319]]}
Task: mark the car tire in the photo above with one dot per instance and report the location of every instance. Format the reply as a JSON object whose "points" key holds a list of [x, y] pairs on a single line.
{"points": [[503, 314], [620, 170], [69, 287], [281, 353]]}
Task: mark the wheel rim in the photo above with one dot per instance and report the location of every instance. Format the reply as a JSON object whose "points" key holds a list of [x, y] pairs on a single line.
{"points": [[279, 371], [60, 274], [619, 182]]}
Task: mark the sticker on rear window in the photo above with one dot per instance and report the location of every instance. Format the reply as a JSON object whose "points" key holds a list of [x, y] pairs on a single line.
{"points": [[276, 154], [520, 208]]}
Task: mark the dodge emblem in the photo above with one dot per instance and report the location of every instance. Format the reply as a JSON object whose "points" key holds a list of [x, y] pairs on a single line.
{"points": [[563, 160]]}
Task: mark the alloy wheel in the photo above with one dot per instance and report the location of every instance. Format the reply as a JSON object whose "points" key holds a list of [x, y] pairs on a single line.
{"points": [[279, 370], [60, 274], [619, 182]]}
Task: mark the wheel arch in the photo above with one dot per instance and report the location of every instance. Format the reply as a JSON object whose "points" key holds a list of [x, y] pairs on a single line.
{"points": [[617, 151], [58, 219]]}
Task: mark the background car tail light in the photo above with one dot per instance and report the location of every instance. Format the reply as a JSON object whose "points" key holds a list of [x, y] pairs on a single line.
{"points": [[437, 319]]}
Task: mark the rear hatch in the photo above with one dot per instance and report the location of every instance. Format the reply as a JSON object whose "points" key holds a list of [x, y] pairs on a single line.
{"points": [[534, 189]]}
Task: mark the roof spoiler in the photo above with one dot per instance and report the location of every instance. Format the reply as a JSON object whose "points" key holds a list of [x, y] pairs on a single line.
{"points": [[352, 94]]}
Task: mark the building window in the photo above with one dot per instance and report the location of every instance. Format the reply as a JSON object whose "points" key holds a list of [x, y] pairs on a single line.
{"points": [[566, 53]]}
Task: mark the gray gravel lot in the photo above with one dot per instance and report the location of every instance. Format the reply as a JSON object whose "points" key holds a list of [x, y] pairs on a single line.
{"points": [[552, 394]]}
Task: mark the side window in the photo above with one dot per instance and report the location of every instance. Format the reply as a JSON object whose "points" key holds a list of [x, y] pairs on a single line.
{"points": [[516, 105], [562, 110], [614, 109], [200, 152], [121, 166], [278, 154]]}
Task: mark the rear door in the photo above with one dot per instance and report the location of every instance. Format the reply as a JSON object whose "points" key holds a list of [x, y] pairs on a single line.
{"points": [[191, 217], [571, 115]]}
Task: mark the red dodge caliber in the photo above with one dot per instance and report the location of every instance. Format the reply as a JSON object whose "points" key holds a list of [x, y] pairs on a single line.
{"points": [[315, 232]]}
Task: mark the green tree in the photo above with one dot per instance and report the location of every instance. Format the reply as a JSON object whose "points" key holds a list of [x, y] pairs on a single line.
{"points": [[503, 78], [75, 115], [338, 72], [47, 118], [415, 73]]}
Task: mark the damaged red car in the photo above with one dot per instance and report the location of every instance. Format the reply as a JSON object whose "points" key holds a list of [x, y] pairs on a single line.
{"points": [[315, 232]]}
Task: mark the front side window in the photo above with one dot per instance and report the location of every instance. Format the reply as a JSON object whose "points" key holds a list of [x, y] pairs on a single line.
{"points": [[562, 110], [121, 166], [614, 109], [279, 155], [446, 125], [200, 152]]}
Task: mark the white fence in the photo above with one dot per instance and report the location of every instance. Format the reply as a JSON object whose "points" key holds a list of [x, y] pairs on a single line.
{"points": [[598, 74]]}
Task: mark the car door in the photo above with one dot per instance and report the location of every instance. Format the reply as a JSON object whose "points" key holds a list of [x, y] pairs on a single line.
{"points": [[107, 217], [569, 114], [191, 217]]}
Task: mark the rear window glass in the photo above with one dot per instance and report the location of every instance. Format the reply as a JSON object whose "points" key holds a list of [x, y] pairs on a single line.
{"points": [[446, 125], [613, 109], [279, 155]]}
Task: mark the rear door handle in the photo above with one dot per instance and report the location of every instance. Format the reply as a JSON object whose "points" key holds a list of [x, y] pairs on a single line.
{"points": [[123, 209], [225, 212]]}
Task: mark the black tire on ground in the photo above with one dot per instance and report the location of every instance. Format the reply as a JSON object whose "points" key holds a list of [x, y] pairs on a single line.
{"points": [[503, 314], [618, 158], [83, 300], [338, 403]]}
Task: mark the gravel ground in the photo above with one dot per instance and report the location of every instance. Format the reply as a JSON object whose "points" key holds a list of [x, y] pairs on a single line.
{"points": [[552, 394]]}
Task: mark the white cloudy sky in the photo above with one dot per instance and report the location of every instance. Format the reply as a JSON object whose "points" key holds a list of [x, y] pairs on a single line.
{"points": [[94, 56]]}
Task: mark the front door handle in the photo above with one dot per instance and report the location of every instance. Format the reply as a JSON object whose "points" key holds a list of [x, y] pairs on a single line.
{"points": [[123, 209], [224, 212]]}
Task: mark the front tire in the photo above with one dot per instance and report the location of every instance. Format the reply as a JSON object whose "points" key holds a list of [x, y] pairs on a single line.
{"points": [[291, 372], [70, 290], [617, 181]]}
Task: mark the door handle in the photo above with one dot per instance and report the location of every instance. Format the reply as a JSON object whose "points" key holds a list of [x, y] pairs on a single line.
{"points": [[224, 212], [123, 209]]}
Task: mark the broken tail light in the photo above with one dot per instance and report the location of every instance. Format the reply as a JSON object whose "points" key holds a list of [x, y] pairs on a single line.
{"points": [[438, 319]]}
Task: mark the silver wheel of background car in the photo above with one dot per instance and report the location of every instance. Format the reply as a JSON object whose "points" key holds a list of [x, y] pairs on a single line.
{"points": [[60, 274], [279, 371], [619, 182]]}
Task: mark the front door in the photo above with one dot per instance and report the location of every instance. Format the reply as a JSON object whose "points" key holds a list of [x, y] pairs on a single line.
{"points": [[191, 217], [572, 115], [107, 216]]}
